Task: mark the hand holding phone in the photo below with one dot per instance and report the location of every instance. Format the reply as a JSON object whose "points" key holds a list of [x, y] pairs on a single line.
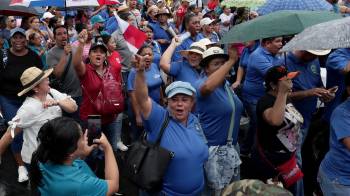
{"points": [[334, 89], [94, 128]]}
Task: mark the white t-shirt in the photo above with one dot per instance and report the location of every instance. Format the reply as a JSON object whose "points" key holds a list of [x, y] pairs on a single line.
{"points": [[31, 116], [223, 17]]}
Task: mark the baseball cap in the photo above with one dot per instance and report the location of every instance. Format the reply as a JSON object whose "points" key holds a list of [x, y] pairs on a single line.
{"points": [[179, 87], [48, 15], [98, 44], [17, 30], [206, 21], [96, 19], [274, 74]]}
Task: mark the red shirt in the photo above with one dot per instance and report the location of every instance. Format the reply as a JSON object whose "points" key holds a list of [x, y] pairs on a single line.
{"points": [[180, 13], [91, 83]]}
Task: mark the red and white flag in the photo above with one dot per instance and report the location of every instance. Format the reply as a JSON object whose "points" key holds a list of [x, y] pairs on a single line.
{"points": [[133, 36], [20, 2]]}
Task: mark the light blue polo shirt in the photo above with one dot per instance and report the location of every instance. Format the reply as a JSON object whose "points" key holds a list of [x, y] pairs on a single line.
{"points": [[309, 78], [336, 162], [153, 80], [185, 174], [336, 63], [77, 179], [185, 45], [213, 37], [183, 71], [259, 62], [215, 112]]}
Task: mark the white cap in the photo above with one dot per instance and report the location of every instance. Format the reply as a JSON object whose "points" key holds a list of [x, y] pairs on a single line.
{"points": [[206, 21], [48, 15]]}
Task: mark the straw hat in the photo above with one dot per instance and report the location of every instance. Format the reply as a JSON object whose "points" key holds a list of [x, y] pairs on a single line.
{"points": [[163, 11], [211, 53], [196, 47], [31, 77], [123, 8], [153, 7]]}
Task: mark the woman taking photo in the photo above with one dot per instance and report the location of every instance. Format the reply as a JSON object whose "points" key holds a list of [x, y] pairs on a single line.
{"points": [[278, 131], [94, 75], [183, 135], [41, 104], [57, 167]]}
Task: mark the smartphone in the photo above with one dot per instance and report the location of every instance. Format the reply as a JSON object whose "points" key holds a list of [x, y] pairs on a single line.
{"points": [[334, 89], [94, 128]]}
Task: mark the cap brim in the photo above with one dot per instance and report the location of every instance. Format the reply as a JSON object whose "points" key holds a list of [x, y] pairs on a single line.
{"points": [[46, 74], [319, 52], [99, 46], [206, 60], [291, 75], [180, 90], [184, 53]]}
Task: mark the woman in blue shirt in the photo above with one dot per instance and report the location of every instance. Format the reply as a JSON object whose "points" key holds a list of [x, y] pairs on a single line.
{"points": [[217, 105], [183, 135], [153, 81], [57, 167], [334, 171], [35, 44]]}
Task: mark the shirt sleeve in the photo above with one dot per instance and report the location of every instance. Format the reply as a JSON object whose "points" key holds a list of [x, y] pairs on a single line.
{"points": [[262, 64], [131, 80], [338, 60], [155, 120], [341, 126]]}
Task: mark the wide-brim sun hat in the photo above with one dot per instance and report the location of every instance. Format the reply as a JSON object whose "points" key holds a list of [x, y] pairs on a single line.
{"points": [[179, 87], [163, 11], [196, 47], [212, 53], [31, 77], [150, 9]]}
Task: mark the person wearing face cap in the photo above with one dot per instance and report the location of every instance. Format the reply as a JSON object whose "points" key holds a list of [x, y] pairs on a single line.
{"points": [[208, 29], [183, 134], [93, 74], [307, 87], [97, 23], [188, 69], [163, 31], [14, 61], [278, 131], [219, 110]]}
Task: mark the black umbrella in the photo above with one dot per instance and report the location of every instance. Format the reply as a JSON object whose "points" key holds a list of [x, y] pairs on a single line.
{"points": [[7, 10]]}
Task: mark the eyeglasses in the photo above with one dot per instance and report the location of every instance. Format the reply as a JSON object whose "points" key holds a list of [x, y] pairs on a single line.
{"points": [[13, 20]]}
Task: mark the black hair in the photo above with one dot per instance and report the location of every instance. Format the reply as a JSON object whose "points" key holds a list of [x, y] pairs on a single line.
{"points": [[52, 22], [143, 47], [269, 39], [31, 37], [187, 20], [105, 38], [58, 138], [124, 15], [58, 27]]}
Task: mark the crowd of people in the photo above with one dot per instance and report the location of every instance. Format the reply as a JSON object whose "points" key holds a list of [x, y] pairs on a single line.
{"points": [[59, 68]]}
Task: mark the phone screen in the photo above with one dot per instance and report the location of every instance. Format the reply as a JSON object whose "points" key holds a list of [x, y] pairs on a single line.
{"points": [[334, 89], [94, 128]]}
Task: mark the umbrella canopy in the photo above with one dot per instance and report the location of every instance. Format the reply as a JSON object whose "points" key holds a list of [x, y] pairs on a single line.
{"points": [[7, 10], [276, 5], [286, 22], [57, 3], [329, 35], [243, 3]]}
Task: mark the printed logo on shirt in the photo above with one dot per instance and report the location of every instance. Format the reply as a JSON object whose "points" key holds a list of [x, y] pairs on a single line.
{"points": [[313, 68], [117, 59], [156, 76]]}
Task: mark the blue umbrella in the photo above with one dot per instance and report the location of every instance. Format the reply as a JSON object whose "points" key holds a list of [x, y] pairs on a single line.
{"points": [[275, 5]]}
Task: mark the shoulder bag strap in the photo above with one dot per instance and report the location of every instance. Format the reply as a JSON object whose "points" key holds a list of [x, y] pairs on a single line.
{"points": [[66, 68], [232, 102], [164, 126]]}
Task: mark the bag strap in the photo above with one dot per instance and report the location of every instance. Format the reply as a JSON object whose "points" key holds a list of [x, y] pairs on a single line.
{"points": [[232, 122], [162, 129], [66, 68]]}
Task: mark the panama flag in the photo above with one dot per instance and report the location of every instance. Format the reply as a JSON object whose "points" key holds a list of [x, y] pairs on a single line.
{"points": [[133, 36]]}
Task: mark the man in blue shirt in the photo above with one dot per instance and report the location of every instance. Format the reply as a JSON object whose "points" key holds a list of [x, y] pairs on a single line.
{"points": [[263, 58], [338, 64], [163, 31], [208, 29], [307, 87]]}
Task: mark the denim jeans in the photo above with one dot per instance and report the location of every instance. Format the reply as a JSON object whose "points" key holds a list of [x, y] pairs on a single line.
{"points": [[331, 187], [249, 139], [9, 107], [113, 131]]}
